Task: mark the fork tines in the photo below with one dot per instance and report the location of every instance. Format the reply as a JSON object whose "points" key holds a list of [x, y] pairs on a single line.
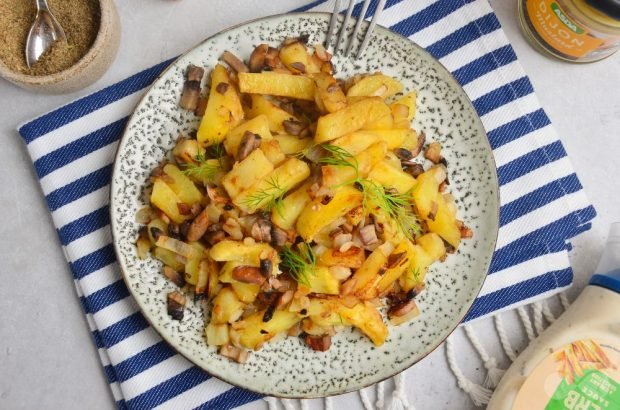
{"points": [[343, 28]]}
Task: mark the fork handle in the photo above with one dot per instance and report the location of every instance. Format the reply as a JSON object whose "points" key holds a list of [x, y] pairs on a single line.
{"points": [[42, 5]]}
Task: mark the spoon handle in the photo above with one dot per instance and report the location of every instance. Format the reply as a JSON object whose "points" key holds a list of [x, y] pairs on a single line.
{"points": [[42, 5]]}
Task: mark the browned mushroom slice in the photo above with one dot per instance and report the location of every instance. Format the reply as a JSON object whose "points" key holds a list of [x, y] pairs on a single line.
{"points": [[234, 62], [278, 237], [257, 58], [191, 88], [249, 142], [319, 343], [401, 309], [403, 154], [174, 276], [418, 148], [414, 170], [215, 233], [272, 59], [176, 305], [293, 127], [248, 274], [261, 230]]}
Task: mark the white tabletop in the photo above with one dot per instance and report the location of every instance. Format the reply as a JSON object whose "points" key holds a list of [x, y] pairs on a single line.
{"points": [[47, 357]]}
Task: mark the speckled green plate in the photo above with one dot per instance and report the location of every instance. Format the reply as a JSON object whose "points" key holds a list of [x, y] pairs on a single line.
{"points": [[288, 368]]}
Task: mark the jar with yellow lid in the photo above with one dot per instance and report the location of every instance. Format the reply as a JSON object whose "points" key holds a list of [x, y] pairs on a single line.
{"points": [[579, 31]]}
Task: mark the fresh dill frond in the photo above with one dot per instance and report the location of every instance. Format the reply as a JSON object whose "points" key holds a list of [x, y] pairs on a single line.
{"points": [[339, 157], [204, 169], [217, 151], [298, 264], [394, 205], [268, 198]]}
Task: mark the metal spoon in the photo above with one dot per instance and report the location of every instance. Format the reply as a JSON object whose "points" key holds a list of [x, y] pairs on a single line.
{"points": [[44, 32]]}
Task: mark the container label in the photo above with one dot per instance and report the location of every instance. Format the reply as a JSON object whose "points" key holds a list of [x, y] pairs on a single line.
{"points": [[558, 30], [582, 375]]}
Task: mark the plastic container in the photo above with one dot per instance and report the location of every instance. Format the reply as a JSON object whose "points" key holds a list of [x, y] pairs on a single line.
{"points": [[575, 363], [579, 31]]}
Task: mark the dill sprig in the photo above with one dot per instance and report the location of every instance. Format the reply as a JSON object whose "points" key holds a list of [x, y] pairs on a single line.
{"points": [[203, 169], [268, 198], [394, 205], [206, 169], [339, 157], [298, 264]]}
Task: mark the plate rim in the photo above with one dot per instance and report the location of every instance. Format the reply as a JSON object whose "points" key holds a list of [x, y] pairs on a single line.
{"points": [[125, 135]]}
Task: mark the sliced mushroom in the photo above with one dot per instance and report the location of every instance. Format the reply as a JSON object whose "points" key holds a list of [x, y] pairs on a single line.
{"points": [[201, 107], [268, 315], [266, 267], [414, 169], [401, 309], [249, 142], [278, 237], [322, 53], [234, 62], [174, 276], [176, 305], [403, 154], [216, 194], [418, 148], [319, 343], [234, 353], [198, 227], [293, 127], [248, 274], [214, 234], [272, 59], [191, 88], [257, 58], [368, 235], [261, 230]]}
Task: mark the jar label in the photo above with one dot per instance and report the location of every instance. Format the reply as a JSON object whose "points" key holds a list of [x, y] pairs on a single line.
{"points": [[582, 375], [558, 30]]}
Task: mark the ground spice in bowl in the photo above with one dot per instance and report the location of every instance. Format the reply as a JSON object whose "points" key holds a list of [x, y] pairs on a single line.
{"points": [[80, 20]]}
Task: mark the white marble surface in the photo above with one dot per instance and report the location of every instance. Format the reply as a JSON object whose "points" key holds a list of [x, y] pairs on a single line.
{"points": [[47, 358]]}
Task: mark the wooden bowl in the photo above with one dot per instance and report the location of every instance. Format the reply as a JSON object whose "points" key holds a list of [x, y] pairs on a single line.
{"points": [[85, 71]]}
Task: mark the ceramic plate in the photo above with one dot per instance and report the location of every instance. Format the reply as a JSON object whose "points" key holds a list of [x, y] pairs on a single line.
{"points": [[288, 368]]}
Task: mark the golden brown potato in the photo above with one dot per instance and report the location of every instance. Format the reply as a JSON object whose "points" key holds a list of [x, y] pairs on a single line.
{"points": [[223, 111], [280, 84], [369, 113], [376, 85]]}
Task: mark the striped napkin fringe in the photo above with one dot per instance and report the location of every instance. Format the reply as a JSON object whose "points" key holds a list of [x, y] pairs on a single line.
{"points": [[543, 205]]}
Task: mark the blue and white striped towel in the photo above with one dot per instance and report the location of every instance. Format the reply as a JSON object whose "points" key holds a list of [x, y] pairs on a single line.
{"points": [[543, 204]]}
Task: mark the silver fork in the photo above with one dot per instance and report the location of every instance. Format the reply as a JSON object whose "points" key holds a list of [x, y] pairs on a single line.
{"points": [[332, 27]]}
